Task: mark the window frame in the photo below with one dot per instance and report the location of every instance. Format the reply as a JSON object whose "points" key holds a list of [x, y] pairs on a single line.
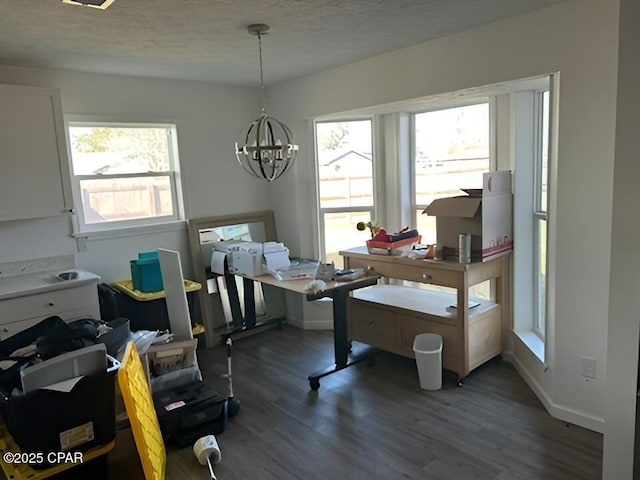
{"points": [[81, 227], [539, 214], [322, 211]]}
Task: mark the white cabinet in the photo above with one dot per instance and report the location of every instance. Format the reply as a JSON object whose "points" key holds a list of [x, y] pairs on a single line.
{"points": [[34, 168], [69, 300]]}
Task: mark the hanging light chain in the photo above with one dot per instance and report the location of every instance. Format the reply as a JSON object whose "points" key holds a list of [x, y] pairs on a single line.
{"points": [[264, 96]]}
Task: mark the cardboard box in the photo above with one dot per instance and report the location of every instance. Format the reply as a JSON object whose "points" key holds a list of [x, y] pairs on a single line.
{"points": [[171, 364], [486, 214], [188, 371]]}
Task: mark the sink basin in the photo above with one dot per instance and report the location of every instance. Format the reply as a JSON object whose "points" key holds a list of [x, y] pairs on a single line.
{"points": [[50, 279], [68, 275]]}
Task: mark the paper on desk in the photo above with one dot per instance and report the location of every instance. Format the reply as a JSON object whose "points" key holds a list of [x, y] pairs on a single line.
{"points": [[299, 269], [271, 247], [217, 262], [277, 260], [65, 386]]}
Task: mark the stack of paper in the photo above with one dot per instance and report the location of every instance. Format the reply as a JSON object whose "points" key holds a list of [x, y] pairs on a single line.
{"points": [[276, 256]]}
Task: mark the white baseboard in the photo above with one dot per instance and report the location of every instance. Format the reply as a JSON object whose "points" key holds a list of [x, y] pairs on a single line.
{"points": [[318, 315], [556, 411], [317, 325], [310, 324]]}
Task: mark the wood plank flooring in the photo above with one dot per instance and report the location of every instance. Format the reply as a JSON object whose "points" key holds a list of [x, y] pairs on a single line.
{"points": [[376, 422]]}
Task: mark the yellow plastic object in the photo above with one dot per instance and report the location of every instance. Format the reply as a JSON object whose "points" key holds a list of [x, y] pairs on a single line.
{"points": [[19, 471], [142, 414], [126, 286], [197, 329]]}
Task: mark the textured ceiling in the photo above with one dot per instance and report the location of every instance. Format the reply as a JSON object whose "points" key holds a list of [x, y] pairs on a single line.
{"points": [[207, 40]]}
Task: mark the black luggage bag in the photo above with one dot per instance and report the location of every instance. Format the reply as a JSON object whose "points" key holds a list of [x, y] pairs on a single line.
{"points": [[10, 377], [189, 412]]}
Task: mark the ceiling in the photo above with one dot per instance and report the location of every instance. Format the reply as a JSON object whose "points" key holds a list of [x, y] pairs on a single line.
{"points": [[206, 40]]}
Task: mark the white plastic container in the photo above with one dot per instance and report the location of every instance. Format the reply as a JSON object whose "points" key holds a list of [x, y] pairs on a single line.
{"points": [[428, 350]]}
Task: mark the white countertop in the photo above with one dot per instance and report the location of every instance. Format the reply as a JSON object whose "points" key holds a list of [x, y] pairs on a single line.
{"points": [[22, 285]]}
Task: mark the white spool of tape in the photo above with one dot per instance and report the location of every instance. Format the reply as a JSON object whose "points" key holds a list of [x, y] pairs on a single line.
{"points": [[206, 448]]}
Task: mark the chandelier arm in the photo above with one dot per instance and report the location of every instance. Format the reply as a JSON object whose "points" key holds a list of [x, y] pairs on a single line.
{"points": [[246, 137], [286, 166], [245, 166], [272, 141], [258, 144]]}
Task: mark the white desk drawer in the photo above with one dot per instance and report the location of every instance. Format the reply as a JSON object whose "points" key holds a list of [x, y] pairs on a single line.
{"points": [[412, 273], [42, 305], [9, 329], [374, 324]]}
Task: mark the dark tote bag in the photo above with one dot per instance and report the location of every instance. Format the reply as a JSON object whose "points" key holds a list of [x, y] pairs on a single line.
{"points": [[10, 377]]}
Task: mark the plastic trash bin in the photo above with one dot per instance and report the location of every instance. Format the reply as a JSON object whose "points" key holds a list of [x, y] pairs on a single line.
{"points": [[428, 350]]}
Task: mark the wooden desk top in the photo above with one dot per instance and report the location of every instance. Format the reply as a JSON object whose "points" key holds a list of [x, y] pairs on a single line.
{"points": [[362, 253]]}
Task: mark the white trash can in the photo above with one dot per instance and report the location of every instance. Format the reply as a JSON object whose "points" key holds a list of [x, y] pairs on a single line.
{"points": [[428, 350]]}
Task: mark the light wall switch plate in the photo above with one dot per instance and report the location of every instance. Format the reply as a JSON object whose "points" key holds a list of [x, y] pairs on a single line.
{"points": [[83, 244], [588, 367]]}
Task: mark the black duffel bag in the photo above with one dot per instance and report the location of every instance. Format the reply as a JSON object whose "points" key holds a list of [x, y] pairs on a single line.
{"points": [[73, 336], [10, 377], [52, 336]]}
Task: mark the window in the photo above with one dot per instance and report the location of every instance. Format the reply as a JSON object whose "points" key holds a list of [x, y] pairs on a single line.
{"points": [[345, 184], [451, 151], [123, 174], [532, 139], [541, 167]]}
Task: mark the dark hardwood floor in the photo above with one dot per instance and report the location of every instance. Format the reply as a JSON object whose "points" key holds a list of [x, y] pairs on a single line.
{"points": [[368, 423], [376, 423]]}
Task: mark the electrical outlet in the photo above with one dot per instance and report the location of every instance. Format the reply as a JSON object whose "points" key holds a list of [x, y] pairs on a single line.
{"points": [[588, 369]]}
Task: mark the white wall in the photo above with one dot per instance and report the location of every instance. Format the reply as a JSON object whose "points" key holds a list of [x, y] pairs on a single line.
{"points": [[209, 119], [577, 38], [624, 309]]}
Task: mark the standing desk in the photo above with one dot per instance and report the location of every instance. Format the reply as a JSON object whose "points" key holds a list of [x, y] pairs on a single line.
{"points": [[339, 293]]}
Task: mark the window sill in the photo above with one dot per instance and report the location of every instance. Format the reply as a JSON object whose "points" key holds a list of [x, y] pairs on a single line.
{"points": [[533, 342], [132, 231]]}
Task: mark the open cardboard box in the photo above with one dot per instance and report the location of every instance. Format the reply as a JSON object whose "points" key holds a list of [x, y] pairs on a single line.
{"points": [[185, 349], [157, 355], [486, 214]]}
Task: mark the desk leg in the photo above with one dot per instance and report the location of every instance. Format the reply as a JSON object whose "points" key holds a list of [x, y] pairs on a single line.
{"points": [[340, 334], [249, 303], [340, 341], [244, 324], [234, 300]]}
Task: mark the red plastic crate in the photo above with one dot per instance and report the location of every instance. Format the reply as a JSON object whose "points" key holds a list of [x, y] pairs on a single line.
{"points": [[388, 246]]}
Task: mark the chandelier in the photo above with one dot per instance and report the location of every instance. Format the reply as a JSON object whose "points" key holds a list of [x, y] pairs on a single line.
{"points": [[268, 150]]}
